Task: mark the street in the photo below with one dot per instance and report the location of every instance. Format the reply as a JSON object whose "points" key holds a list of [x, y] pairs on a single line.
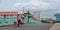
{"points": [[29, 26]]}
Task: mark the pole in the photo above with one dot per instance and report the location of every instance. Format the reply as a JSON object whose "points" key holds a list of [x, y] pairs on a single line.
{"points": [[23, 9], [39, 14], [28, 16], [23, 13]]}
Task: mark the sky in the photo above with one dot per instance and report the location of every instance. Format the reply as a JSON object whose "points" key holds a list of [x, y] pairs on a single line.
{"points": [[47, 8]]}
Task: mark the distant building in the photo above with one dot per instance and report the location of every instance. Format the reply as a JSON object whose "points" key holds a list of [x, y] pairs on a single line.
{"points": [[57, 15], [7, 17]]}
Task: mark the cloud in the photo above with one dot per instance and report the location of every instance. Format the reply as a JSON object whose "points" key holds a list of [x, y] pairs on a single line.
{"points": [[47, 6], [58, 11], [33, 4], [39, 4]]}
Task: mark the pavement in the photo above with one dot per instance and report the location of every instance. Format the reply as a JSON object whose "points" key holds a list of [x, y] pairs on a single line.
{"points": [[56, 26], [6, 24], [28, 26]]}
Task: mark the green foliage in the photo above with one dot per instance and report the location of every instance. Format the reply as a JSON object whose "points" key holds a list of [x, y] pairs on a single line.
{"points": [[47, 21]]}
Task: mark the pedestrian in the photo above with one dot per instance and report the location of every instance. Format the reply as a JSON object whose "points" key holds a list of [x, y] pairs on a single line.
{"points": [[15, 21], [19, 22]]}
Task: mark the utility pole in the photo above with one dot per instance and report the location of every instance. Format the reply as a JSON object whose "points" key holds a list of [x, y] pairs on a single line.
{"points": [[28, 16], [23, 9], [23, 13], [39, 14]]}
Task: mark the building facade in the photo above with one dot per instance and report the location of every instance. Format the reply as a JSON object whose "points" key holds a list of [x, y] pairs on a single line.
{"points": [[57, 15], [8, 17]]}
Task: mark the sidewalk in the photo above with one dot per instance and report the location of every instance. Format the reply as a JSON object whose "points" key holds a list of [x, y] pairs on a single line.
{"points": [[10, 24], [6, 24], [55, 27]]}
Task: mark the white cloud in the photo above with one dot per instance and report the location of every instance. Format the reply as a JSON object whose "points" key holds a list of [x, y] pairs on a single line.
{"points": [[49, 5], [58, 11], [33, 4]]}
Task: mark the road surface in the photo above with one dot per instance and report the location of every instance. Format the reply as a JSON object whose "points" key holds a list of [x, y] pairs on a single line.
{"points": [[28, 26]]}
